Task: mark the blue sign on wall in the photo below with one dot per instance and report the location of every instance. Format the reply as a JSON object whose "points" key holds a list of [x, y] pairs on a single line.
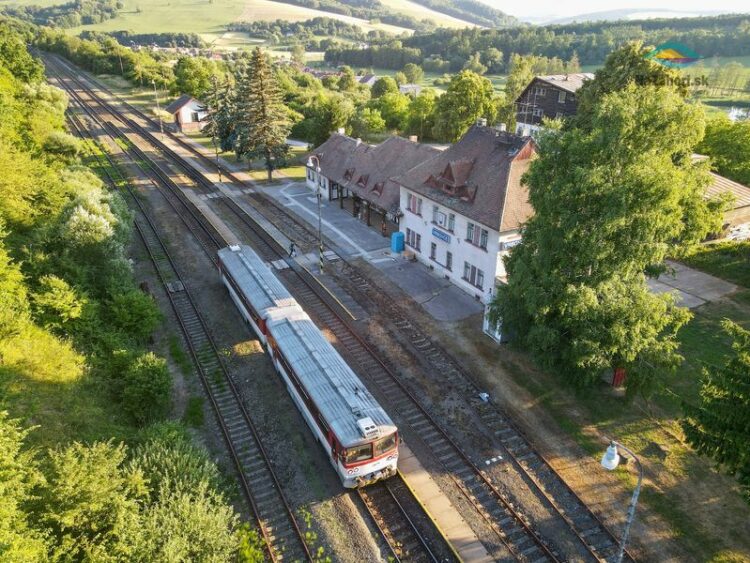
{"points": [[441, 235]]}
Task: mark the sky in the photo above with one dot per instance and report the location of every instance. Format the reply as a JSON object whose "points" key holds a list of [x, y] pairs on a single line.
{"points": [[575, 7]]}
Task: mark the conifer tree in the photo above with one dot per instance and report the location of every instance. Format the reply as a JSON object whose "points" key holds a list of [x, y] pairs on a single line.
{"points": [[262, 122], [719, 427], [220, 105]]}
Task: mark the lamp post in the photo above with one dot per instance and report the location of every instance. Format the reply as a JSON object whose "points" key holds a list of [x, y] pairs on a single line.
{"points": [[158, 110], [319, 193], [213, 124], [610, 461]]}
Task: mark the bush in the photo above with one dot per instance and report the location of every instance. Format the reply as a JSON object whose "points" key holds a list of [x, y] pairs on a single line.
{"points": [[135, 313], [146, 387]]}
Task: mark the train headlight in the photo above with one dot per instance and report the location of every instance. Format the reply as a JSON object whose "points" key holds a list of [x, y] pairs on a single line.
{"points": [[352, 471]]}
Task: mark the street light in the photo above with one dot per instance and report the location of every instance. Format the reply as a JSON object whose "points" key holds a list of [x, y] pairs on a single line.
{"points": [[610, 461], [213, 124], [319, 193]]}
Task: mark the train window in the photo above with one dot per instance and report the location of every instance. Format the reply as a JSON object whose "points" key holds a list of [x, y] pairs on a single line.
{"points": [[385, 444], [358, 453]]}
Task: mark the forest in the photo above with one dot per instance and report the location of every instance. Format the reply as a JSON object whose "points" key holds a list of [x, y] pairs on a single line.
{"points": [[69, 14], [92, 466], [591, 43]]}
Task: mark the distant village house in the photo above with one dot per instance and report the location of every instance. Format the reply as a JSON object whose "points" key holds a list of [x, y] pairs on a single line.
{"points": [[550, 97]]}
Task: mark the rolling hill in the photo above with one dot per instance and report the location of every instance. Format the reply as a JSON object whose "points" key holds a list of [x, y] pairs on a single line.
{"points": [[210, 18]]}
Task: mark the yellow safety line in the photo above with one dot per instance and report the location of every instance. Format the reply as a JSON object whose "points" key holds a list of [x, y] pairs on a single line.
{"points": [[426, 511]]}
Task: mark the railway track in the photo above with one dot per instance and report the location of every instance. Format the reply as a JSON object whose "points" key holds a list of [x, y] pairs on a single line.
{"points": [[392, 501], [596, 538], [513, 531], [274, 517], [392, 524]]}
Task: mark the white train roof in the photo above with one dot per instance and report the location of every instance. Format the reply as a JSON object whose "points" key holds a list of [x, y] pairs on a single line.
{"points": [[261, 287], [340, 396]]}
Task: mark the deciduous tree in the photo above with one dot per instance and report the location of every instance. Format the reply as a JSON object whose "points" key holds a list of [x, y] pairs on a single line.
{"points": [[468, 97], [719, 425], [384, 85], [610, 203]]}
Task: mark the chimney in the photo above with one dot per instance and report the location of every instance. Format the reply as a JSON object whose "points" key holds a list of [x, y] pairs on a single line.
{"points": [[482, 122], [341, 131], [502, 127], [413, 138]]}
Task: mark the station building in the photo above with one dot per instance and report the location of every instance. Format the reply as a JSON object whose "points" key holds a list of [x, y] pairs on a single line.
{"points": [[359, 175], [188, 113], [464, 207]]}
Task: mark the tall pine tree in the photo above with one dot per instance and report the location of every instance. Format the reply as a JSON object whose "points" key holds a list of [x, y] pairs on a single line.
{"points": [[221, 109], [719, 427], [262, 122]]}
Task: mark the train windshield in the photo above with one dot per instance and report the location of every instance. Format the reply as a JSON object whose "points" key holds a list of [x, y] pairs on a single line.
{"points": [[385, 444], [358, 453]]}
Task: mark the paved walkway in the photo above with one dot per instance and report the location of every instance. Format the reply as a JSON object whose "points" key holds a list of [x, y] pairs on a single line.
{"points": [[691, 287], [444, 514], [439, 297]]}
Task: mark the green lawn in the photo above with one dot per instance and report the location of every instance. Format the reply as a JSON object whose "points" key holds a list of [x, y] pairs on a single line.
{"points": [[726, 259], [677, 480]]}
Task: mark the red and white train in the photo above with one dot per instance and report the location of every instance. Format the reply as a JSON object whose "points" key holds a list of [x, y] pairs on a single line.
{"points": [[360, 439]]}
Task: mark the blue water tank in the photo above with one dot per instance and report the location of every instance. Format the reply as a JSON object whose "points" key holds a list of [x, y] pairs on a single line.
{"points": [[397, 242]]}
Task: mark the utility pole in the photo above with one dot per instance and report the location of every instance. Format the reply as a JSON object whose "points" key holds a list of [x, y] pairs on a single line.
{"points": [[158, 110], [319, 193], [214, 81]]}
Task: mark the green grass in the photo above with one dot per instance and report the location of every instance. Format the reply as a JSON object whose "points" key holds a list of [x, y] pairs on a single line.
{"points": [[652, 427], [179, 356], [187, 16], [728, 260], [194, 415]]}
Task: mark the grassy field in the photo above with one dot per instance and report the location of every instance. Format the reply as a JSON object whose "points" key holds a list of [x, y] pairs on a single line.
{"points": [[677, 480], [422, 12], [209, 19]]}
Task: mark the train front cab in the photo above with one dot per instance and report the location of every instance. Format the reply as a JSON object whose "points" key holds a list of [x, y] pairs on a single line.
{"points": [[365, 463]]}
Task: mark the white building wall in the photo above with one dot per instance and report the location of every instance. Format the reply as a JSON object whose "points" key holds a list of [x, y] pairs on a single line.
{"points": [[186, 112], [314, 179], [489, 260]]}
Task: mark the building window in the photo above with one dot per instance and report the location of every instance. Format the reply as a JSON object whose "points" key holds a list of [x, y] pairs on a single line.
{"points": [[540, 91], [435, 213], [194, 117], [449, 260], [477, 236], [559, 115], [537, 112], [473, 275], [451, 222], [414, 204], [561, 97], [413, 239], [433, 250]]}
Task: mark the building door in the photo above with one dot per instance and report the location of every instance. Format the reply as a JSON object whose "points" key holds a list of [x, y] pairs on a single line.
{"points": [[433, 250], [449, 260]]}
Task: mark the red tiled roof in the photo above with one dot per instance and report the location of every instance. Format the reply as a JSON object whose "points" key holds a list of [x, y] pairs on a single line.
{"points": [[366, 169], [478, 177]]}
